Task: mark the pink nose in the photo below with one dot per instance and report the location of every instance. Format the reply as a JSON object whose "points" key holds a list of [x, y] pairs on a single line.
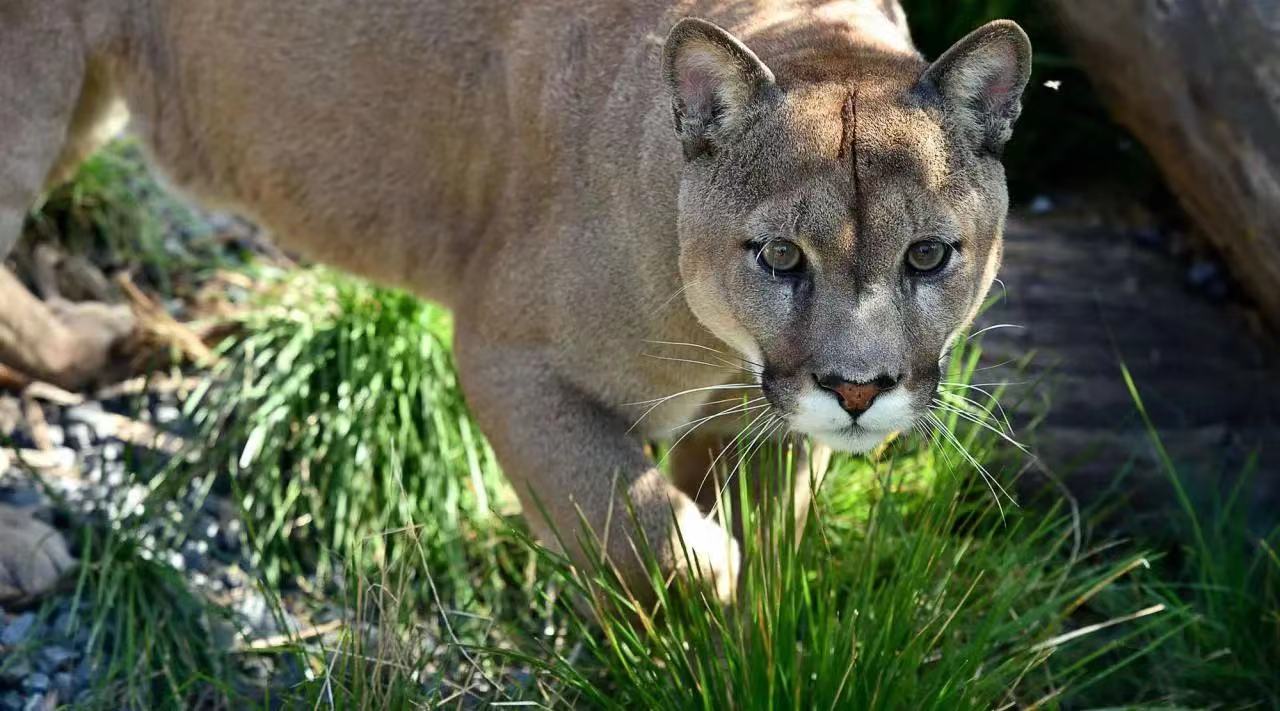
{"points": [[856, 398]]}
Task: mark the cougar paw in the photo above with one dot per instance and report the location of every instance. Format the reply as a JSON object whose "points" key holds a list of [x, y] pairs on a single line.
{"points": [[33, 556], [710, 552]]}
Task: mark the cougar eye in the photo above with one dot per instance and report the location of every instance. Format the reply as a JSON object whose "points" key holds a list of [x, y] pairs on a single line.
{"points": [[928, 256], [781, 255]]}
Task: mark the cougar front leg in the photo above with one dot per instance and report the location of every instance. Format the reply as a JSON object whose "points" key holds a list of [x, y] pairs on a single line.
{"points": [[572, 462], [706, 467]]}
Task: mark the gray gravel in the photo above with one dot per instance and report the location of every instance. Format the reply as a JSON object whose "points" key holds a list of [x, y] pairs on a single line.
{"points": [[43, 658]]}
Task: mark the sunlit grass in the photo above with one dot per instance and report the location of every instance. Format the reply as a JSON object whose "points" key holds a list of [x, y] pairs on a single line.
{"points": [[337, 410]]}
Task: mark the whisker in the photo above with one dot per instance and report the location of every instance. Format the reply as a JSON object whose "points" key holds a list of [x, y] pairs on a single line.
{"points": [[710, 469], [660, 401], [725, 365], [674, 296], [756, 443], [706, 348], [746, 407], [981, 423], [1001, 384], [992, 328], [997, 365], [1003, 417], [987, 478]]}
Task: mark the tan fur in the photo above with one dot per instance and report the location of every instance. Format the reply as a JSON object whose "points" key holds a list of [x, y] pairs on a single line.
{"points": [[517, 162]]}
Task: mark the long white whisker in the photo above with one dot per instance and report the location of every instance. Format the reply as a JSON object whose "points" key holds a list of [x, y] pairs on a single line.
{"points": [[659, 401], [1001, 384], [981, 423], [723, 364], [1003, 417], [992, 328], [997, 365], [987, 478], [749, 428], [705, 348], [761, 437], [1004, 293], [743, 409]]}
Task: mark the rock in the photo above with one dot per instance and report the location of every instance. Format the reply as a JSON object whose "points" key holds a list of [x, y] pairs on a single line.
{"points": [[36, 683], [56, 658], [91, 414], [79, 436], [167, 414], [33, 559], [64, 685], [11, 701], [21, 497], [1197, 81], [65, 624], [57, 437], [113, 451], [13, 672], [18, 629]]}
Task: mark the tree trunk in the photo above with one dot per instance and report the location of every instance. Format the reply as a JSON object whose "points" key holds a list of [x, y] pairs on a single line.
{"points": [[1198, 83]]}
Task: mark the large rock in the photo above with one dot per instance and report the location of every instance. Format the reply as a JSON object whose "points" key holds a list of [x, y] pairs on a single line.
{"points": [[1198, 83]]}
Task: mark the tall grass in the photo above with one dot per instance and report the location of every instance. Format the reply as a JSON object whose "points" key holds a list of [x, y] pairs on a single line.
{"points": [[337, 409], [908, 586]]}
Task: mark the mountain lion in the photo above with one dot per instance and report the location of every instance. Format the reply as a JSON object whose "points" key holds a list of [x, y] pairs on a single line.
{"points": [[639, 219]]}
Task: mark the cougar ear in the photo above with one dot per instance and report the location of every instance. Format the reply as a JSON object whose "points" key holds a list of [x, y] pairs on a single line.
{"points": [[981, 80], [714, 80]]}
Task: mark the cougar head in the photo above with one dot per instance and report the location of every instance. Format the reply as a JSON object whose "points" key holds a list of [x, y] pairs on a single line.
{"points": [[840, 229]]}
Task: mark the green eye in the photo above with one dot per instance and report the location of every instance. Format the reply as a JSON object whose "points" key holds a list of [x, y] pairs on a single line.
{"points": [[781, 255], [928, 256]]}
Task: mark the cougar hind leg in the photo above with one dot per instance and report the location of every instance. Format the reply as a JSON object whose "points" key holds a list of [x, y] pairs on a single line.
{"points": [[51, 109], [56, 106]]}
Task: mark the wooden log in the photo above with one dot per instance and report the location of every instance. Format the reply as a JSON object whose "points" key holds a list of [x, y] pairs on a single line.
{"points": [[1198, 83]]}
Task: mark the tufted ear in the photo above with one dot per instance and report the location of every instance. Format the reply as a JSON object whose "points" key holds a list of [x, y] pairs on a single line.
{"points": [[713, 80], [981, 80]]}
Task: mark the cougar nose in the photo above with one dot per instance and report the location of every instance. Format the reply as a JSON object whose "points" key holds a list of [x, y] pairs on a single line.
{"points": [[856, 398]]}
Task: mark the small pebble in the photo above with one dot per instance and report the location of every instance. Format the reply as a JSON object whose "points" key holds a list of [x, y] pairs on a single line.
{"points": [[79, 436], [113, 451], [1041, 205], [57, 658], [102, 424], [22, 498], [15, 633], [36, 683], [57, 437], [167, 414], [64, 684], [13, 672]]}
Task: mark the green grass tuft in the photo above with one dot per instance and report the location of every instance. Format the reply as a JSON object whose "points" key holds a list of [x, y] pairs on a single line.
{"points": [[338, 411]]}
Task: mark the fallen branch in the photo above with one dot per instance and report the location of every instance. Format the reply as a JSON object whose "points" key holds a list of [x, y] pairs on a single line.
{"points": [[296, 636], [158, 326]]}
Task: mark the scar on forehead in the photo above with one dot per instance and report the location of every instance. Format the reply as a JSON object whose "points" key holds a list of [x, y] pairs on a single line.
{"points": [[848, 149]]}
